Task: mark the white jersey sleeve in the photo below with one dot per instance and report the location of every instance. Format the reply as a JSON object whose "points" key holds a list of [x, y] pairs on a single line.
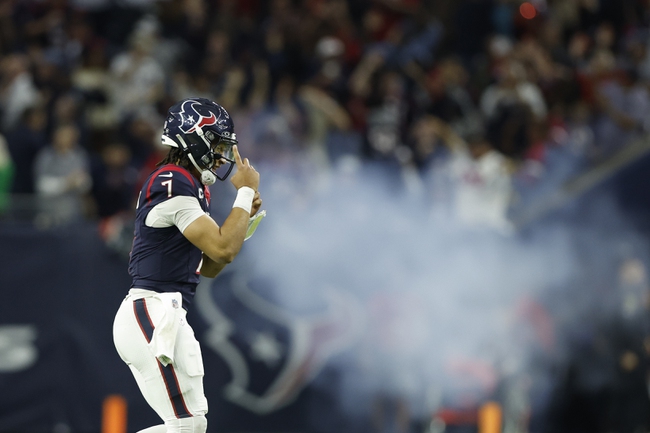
{"points": [[179, 211]]}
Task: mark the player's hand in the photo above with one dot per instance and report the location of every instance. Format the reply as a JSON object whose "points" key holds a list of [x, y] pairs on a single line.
{"points": [[246, 175], [257, 203]]}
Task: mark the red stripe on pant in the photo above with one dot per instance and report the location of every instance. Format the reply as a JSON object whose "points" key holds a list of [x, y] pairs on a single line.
{"points": [[168, 373]]}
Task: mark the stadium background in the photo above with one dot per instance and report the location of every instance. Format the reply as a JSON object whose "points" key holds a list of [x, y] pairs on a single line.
{"points": [[457, 200]]}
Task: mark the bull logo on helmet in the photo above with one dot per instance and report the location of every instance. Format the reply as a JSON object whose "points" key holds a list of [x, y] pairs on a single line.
{"points": [[192, 119]]}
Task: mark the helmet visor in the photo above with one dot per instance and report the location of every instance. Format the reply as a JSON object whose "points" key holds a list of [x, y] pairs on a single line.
{"points": [[223, 149]]}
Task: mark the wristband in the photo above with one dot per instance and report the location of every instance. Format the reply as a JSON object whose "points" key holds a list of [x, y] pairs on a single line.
{"points": [[244, 198]]}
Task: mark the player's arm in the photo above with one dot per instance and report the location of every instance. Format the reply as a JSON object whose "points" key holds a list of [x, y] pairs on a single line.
{"points": [[221, 244], [210, 268]]}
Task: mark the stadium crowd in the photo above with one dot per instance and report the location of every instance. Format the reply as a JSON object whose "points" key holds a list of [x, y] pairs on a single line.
{"points": [[503, 101], [481, 107]]}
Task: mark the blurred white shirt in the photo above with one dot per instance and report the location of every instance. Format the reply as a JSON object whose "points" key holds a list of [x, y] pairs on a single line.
{"points": [[525, 92], [483, 190]]}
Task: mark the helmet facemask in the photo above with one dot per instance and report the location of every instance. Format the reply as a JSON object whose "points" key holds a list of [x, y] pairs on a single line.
{"points": [[205, 162], [221, 151]]}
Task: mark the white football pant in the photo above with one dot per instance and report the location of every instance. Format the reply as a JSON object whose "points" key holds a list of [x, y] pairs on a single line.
{"points": [[175, 392]]}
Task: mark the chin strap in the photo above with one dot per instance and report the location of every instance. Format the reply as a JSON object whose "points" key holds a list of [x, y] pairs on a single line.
{"points": [[208, 178]]}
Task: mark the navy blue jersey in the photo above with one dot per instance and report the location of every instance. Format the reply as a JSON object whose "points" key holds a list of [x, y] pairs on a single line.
{"points": [[162, 259]]}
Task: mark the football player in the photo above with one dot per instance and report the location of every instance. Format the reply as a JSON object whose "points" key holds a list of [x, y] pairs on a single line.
{"points": [[176, 241]]}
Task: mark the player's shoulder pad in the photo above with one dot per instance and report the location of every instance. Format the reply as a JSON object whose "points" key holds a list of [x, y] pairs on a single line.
{"points": [[173, 180]]}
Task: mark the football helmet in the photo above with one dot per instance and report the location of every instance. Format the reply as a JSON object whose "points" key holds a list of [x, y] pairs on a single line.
{"points": [[204, 131]]}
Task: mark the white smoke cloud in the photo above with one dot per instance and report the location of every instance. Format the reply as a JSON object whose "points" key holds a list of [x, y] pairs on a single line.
{"points": [[445, 309]]}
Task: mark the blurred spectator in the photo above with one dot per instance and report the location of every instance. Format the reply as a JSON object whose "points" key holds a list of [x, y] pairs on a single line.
{"points": [[427, 145], [623, 105], [51, 78], [562, 148], [446, 97], [330, 68], [580, 133], [67, 108], [140, 135], [380, 96], [362, 83], [186, 23], [630, 337], [552, 41], [6, 175], [486, 67], [483, 189], [636, 48], [604, 36], [547, 66], [138, 78], [9, 33], [430, 157], [386, 115], [114, 187], [324, 114], [17, 89], [224, 76], [579, 50], [62, 178], [186, 84], [480, 190], [278, 130], [24, 142], [513, 87], [113, 180], [510, 107], [93, 80]]}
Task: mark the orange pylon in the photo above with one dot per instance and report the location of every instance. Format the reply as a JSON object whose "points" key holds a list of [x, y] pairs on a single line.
{"points": [[114, 414], [490, 417]]}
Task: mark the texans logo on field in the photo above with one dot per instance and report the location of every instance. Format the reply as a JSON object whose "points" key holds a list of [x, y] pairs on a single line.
{"points": [[272, 353]]}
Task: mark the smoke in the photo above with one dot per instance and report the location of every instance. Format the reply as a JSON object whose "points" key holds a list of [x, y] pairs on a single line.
{"points": [[446, 313]]}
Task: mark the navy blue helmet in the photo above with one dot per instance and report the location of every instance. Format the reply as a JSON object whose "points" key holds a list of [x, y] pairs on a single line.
{"points": [[204, 131]]}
